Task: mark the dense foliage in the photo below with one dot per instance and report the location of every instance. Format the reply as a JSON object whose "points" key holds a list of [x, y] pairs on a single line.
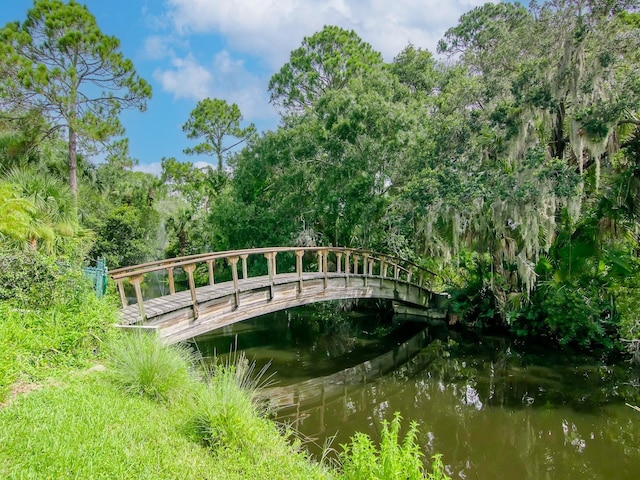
{"points": [[510, 165]]}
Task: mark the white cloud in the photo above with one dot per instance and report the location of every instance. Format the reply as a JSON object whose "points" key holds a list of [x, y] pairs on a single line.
{"points": [[224, 77], [272, 28], [157, 47], [186, 79], [230, 48]]}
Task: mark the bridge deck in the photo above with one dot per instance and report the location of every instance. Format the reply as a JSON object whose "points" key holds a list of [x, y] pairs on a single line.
{"points": [[157, 307]]}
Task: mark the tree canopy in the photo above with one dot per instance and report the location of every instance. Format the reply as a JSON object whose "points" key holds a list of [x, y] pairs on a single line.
{"points": [[215, 121], [59, 62], [325, 61]]}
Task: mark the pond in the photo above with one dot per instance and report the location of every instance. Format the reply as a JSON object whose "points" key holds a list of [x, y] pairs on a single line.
{"points": [[492, 406]]}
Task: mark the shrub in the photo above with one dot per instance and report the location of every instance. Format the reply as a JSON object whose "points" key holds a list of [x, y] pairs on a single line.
{"points": [[29, 279], [142, 365]]}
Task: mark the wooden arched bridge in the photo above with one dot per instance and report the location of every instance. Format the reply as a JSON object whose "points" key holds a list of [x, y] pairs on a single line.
{"points": [[184, 297]]}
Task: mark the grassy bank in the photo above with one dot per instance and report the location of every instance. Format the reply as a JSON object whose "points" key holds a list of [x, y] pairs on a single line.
{"points": [[63, 419], [88, 428]]}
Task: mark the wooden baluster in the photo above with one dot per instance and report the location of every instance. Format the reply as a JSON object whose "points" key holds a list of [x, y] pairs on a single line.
{"points": [[299, 255], [123, 297], [212, 280], [136, 280], [275, 266], [319, 254], [172, 285], [365, 268], [355, 264], [325, 258], [234, 273], [383, 270], [339, 262], [270, 268], [192, 288], [396, 274], [244, 266], [347, 267]]}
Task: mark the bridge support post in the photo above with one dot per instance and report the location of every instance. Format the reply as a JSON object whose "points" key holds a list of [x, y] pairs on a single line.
{"points": [[192, 288], [299, 255], [271, 268], [234, 274], [172, 285], [136, 280], [325, 257], [244, 266], [383, 270], [211, 278], [347, 267], [396, 274], [123, 297], [365, 268]]}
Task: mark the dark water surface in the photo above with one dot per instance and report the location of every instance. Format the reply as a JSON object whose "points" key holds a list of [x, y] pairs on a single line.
{"points": [[493, 407]]}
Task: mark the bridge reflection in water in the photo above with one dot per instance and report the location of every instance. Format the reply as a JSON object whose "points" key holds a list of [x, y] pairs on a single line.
{"points": [[311, 399], [223, 288]]}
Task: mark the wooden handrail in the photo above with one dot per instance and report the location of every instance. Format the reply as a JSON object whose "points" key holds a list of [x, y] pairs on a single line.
{"points": [[402, 270]]}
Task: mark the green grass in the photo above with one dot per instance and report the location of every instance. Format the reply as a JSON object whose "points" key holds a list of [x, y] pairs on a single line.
{"points": [[36, 344], [90, 428]]}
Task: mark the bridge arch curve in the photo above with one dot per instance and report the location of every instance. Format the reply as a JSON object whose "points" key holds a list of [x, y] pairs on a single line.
{"points": [[222, 288]]}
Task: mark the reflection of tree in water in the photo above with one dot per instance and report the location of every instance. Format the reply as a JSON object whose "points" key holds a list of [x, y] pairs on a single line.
{"points": [[331, 330]]}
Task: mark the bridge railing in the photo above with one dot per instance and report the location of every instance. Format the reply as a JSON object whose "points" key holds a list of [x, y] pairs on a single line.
{"points": [[323, 261]]}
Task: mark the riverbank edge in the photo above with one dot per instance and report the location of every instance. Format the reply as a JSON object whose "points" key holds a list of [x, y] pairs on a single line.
{"points": [[61, 416]]}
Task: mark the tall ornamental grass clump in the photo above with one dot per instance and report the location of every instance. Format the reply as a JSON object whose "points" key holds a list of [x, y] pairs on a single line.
{"points": [[227, 412], [394, 460], [141, 365], [228, 419]]}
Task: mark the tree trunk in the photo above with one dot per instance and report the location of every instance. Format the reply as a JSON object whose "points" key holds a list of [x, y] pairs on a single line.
{"points": [[219, 153], [73, 163]]}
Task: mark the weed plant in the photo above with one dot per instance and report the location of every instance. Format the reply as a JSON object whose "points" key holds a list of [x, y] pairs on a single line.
{"points": [[393, 460]]}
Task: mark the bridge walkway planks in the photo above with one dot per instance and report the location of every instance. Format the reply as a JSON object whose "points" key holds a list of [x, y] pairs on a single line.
{"points": [[157, 307]]}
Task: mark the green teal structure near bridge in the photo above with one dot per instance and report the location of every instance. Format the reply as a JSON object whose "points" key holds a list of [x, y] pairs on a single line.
{"points": [[197, 294]]}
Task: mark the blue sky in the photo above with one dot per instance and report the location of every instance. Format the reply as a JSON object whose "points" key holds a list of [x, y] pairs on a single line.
{"points": [[192, 49]]}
